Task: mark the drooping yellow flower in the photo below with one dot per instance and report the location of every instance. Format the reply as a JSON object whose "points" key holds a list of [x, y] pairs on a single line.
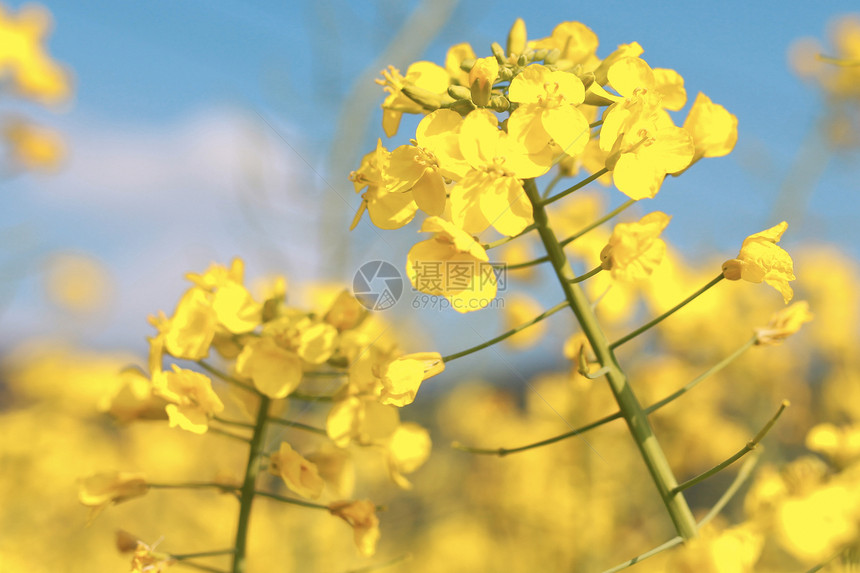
{"points": [[408, 449], [548, 110], [643, 145], [635, 249], [402, 377], [491, 192], [189, 332], [299, 475], [388, 210], [713, 128], [192, 399], [784, 323], [361, 516], [760, 259], [101, 490], [23, 59], [336, 468], [275, 371], [232, 304], [452, 264], [425, 76]]}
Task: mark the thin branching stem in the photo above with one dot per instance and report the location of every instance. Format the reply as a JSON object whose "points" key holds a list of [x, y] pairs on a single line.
{"points": [[507, 334], [750, 446], [666, 314], [526, 264], [606, 419], [577, 187], [621, 208], [292, 500], [297, 425], [743, 475], [183, 556], [505, 240]]}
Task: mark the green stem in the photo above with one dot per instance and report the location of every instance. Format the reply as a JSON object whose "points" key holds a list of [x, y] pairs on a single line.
{"points": [[553, 182], [660, 548], [628, 404], [310, 397], [507, 334], [504, 240], [570, 190], [246, 500], [652, 408], [228, 434], [298, 426], [750, 446], [598, 222], [743, 475], [203, 554], [526, 264], [236, 423], [587, 275], [666, 314], [226, 377], [292, 500]]}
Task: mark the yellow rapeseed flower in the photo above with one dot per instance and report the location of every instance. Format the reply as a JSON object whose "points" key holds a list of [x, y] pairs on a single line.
{"points": [[408, 449], [784, 323], [713, 128], [402, 377], [101, 490], [191, 398], [361, 516], [275, 371], [760, 259], [452, 264], [635, 249], [425, 76], [299, 475], [387, 210]]}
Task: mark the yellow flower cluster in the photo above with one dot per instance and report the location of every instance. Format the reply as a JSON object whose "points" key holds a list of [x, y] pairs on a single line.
{"points": [[267, 351], [492, 123]]}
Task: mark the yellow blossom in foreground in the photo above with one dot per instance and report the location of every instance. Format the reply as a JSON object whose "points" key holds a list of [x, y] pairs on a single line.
{"points": [[629, 74], [425, 76], [482, 76], [491, 192], [714, 130], [192, 399], [361, 516], [635, 249], [101, 490], [784, 323], [576, 42], [300, 475], [402, 377], [452, 264], [387, 209], [760, 259], [275, 371]]}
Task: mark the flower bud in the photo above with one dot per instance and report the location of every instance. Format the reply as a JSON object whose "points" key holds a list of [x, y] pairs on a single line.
{"points": [[467, 64], [499, 103], [552, 56], [460, 92], [425, 98], [540, 54], [517, 37], [498, 52]]}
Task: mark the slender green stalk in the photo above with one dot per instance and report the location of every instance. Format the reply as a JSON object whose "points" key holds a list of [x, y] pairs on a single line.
{"points": [[246, 499], [507, 334], [310, 397], [750, 446], [577, 187], [203, 554], [236, 423], [193, 485], [505, 240], [223, 432], [226, 377], [587, 275], [666, 314], [552, 183], [298, 426], [598, 222], [292, 500], [526, 264], [743, 475], [628, 404], [652, 408], [642, 557]]}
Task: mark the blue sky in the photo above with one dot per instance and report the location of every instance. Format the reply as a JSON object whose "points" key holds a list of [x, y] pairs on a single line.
{"points": [[203, 130]]}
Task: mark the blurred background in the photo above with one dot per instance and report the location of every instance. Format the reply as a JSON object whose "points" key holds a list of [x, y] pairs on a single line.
{"points": [[178, 134]]}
